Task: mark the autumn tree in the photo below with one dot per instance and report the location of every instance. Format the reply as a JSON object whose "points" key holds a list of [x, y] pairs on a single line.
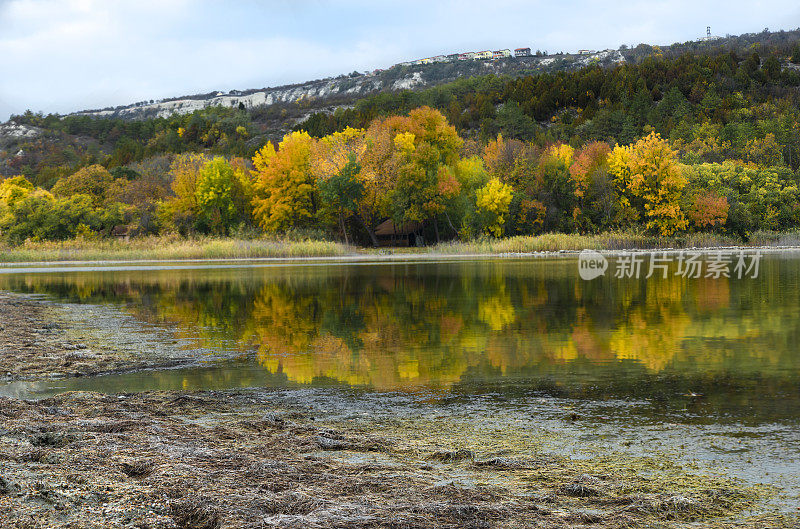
{"points": [[284, 184], [93, 181], [492, 201], [554, 187], [180, 212], [331, 153], [13, 189], [650, 181], [380, 164], [222, 195], [337, 169], [426, 182], [596, 196], [510, 161], [707, 209]]}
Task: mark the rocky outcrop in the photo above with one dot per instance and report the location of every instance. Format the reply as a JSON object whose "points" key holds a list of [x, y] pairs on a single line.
{"points": [[313, 90], [13, 130], [323, 92]]}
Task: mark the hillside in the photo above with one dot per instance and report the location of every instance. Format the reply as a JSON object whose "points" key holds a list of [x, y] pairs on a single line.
{"points": [[338, 91], [609, 95], [694, 137], [347, 88]]}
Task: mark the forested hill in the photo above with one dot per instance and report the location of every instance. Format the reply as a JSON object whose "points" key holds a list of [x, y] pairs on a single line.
{"points": [[730, 90], [698, 136]]}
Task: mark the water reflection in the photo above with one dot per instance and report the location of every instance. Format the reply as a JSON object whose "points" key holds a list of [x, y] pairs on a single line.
{"points": [[479, 325]]}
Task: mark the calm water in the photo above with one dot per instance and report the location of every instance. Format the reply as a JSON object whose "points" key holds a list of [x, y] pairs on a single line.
{"points": [[704, 371], [508, 328]]}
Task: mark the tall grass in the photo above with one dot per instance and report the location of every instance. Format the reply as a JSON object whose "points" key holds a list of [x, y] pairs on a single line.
{"points": [[169, 248], [173, 247], [554, 242]]}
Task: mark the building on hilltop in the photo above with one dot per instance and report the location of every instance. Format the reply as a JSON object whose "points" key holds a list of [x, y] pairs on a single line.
{"points": [[468, 56], [483, 54], [501, 54], [522, 52], [586, 52], [708, 36]]}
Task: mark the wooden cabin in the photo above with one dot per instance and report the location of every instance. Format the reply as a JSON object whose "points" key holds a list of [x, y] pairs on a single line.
{"points": [[390, 235]]}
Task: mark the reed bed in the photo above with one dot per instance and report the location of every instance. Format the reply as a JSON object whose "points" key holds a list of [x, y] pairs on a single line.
{"points": [[555, 242], [169, 248], [173, 247]]}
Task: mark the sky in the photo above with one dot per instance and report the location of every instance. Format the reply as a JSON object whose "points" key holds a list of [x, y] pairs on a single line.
{"points": [[68, 55]]}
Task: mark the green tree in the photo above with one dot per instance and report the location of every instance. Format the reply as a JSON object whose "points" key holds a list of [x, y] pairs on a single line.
{"points": [[514, 123], [92, 181], [342, 192], [221, 195]]}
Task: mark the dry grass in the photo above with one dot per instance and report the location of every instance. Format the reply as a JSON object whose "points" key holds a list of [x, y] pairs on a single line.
{"points": [[168, 247], [172, 247], [554, 242]]}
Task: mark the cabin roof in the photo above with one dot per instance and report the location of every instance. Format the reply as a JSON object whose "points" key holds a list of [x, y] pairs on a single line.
{"points": [[387, 228]]}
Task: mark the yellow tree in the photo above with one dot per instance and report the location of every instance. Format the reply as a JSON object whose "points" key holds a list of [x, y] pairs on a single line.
{"points": [[12, 190], [93, 180], [284, 184], [334, 159], [379, 167], [332, 153], [492, 201], [426, 180], [180, 211], [650, 180]]}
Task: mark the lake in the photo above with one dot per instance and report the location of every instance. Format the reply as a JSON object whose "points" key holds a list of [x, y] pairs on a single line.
{"points": [[721, 347], [701, 368]]}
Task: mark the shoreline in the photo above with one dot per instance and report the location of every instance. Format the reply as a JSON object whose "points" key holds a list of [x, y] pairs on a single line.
{"points": [[10, 266], [40, 341], [300, 458], [171, 248]]}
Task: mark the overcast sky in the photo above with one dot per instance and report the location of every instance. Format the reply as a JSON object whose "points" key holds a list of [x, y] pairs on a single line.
{"points": [[67, 55]]}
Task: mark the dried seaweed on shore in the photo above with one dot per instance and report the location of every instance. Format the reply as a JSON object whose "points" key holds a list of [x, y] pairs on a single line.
{"points": [[225, 459]]}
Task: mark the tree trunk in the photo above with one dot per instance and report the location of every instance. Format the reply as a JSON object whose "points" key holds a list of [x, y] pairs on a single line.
{"points": [[344, 227], [436, 230], [369, 231], [450, 222]]}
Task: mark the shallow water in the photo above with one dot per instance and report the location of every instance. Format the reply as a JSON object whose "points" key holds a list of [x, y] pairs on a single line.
{"points": [[704, 369], [723, 348]]}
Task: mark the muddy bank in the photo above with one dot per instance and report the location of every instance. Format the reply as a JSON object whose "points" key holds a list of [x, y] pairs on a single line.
{"points": [[238, 459], [42, 339], [34, 342]]}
